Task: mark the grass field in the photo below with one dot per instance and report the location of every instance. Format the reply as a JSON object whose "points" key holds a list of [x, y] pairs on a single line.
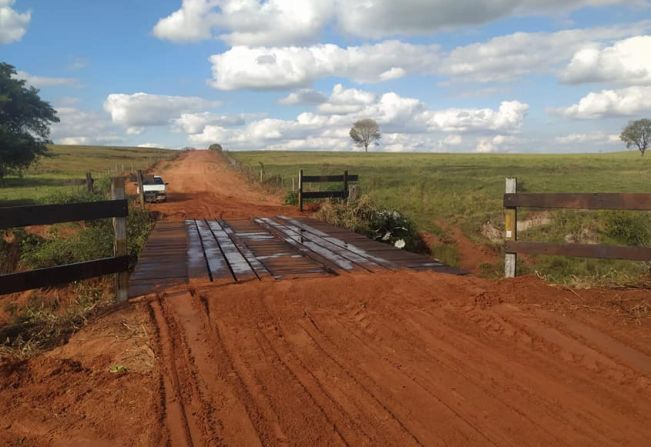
{"points": [[52, 174], [438, 190]]}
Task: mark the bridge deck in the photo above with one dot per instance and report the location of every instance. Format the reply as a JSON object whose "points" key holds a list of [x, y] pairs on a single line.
{"points": [[232, 251]]}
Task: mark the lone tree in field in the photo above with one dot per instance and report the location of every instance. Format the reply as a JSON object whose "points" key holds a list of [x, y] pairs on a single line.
{"points": [[24, 122], [215, 147], [638, 134], [364, 132]]}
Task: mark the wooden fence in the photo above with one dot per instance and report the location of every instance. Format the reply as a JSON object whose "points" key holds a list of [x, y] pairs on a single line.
{"points": [[303, 179], [50, 214], [589, 201]]}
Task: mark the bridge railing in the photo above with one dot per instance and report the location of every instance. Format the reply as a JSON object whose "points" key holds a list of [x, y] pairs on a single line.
{"points": [[117, 208], [587, 201], [342, 194]]}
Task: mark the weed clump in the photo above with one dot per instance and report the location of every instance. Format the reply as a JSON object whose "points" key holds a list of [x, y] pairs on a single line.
{"points": [[382, 224]]}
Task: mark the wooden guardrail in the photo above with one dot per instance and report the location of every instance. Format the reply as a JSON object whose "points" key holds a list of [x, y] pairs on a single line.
{"points": [[589, 201], [117, 208], [303, 179]]}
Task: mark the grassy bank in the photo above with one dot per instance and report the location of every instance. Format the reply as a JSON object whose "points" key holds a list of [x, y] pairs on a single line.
{"points": [[465, 190], [64, 164]]}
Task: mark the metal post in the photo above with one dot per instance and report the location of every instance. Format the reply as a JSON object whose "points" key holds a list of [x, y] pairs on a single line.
{"points": [[300, 190], [510, 230], [141, 188], [120, 242]]}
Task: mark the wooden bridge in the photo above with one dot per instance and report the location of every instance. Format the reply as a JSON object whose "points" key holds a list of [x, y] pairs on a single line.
{"points": [[230, 251]]}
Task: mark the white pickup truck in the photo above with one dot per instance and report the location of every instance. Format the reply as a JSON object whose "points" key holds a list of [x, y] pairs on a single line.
{"points": [[155, 189]]}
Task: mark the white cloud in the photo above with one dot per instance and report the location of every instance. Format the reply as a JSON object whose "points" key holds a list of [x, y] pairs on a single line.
{"points": [[505, 58], [13, 25], [406, 124], [592, 138], [343, 101], [498, 143], [44, 81], [249, 22], [627, 61], [83, 127], [290, 67], [192, 123], [151, 145], [302, 96], [287, 22], [628, 101], [140, 110], [499, 59]]}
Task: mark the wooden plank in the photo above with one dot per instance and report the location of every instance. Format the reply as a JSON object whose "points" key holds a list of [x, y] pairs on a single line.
{"points": [[333, 259], [355, 248], [237, 262], [260, 270], [589, 201], [34, 279], [220, 272], [580, 250], [323, 240], [197, 265], [22, 216], [328, 178], [324, 195]]}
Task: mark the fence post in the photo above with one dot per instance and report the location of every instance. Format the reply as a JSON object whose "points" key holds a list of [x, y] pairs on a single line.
{"points": [[89, 182], [300, 190], [141, 189], [346, 185], [510, 230], [120, 242], [293, 184]]}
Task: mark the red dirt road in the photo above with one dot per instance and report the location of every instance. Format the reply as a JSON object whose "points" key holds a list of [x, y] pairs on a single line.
{"points": [[399, 358]]}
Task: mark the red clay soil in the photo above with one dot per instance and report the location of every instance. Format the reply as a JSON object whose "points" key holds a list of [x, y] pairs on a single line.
{"points": [[399, 358]]}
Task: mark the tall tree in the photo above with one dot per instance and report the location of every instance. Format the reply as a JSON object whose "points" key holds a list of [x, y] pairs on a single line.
{"points": [[24, 122], [364, 132], [638, 134]]}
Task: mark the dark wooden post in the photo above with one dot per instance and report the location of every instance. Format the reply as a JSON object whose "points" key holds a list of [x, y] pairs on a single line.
{"points": [[89, 182], [300, 190], [510, 230], [120, 242], [141, 189], [346, 184]]}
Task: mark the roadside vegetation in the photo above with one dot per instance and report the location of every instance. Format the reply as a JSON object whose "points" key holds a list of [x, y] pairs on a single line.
{"points": [[441, 191]]}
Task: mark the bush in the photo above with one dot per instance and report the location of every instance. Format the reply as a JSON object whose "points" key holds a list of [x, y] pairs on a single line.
{"points": [[291, 198], [365, 217], [629, 228], [216, 147]]}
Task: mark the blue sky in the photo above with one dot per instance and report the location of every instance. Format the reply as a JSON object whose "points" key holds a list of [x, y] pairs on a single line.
{"points": [[437, 75]]}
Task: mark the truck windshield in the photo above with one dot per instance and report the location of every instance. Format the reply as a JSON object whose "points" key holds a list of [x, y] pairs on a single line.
{"points": [[158, 181]]}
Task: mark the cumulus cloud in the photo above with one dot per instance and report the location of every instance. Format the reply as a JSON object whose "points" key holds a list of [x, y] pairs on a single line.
{"points": [[140, 110], [303, 96], [499, 59], [406, 123], [84, 127], [192, 123], [247, 22], [628, 101], [291, 67], [498, 143], [627, 61], [287, 22], [13, 24], [44, 81]]}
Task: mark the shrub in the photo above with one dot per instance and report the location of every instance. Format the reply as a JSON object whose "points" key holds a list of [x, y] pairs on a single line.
{"points": [[291, 198], [629, 228], [365, 217]]}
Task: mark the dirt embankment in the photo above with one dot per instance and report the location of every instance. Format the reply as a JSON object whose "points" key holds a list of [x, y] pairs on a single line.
{"points": [[398, 358]]}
